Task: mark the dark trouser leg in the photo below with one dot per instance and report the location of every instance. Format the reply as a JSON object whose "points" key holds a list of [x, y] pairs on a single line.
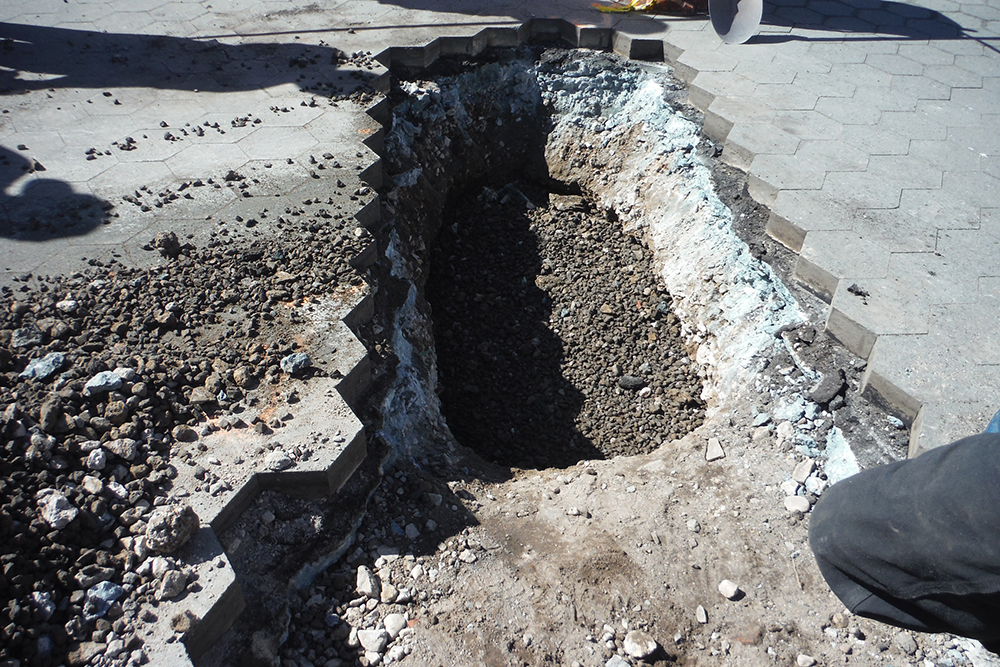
{"points": [[873, 541]]}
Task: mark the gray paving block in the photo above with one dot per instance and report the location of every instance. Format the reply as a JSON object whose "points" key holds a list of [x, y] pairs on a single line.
{"points": [[824, 84], [906, 170], [945, 154], [894, 64], [896, 230], [771, 173], [785, 96], [976, 188], [808, 124], [833, 155], [885, 99], [908, 371], [861, 74], [747, 140], [797, 212], [938, 278], [859, 189], [886, 306], [921, 87], [708, 85], [941, 423], [845, 254], [927, 54], [837, 52], [875, 140], [724, 112], [940, 208]]}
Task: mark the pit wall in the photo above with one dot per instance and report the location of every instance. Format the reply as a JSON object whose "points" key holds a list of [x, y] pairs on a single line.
{"points": [[611, 130]]}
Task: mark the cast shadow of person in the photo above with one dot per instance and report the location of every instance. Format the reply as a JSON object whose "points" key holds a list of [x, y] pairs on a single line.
{"points": [[37, 58], [45, 208], [859, 20], [41, 58]]}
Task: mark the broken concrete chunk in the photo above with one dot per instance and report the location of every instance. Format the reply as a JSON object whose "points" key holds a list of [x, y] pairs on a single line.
{"points": [[714, 451]]}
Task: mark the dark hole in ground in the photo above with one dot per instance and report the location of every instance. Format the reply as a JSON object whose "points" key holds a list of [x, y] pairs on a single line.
{"points": [[555, 341]]}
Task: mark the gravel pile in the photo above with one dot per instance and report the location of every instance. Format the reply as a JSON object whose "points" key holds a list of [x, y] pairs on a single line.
{"points": [[555, 340], [107, 373]]}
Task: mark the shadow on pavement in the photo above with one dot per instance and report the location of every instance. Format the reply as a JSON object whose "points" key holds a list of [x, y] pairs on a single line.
{"points": [[35, 58], [38, 58], [46, 208]]}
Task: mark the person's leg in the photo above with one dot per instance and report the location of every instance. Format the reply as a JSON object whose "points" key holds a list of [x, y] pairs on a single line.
{"points": [[905, 545]]}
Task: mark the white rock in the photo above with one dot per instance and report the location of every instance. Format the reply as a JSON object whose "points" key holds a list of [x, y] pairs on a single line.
{"points": [[467, 556], [55, 508], [172, 585], [125, 373], [816, 486], [374, 640], [639, 645], [805, 660], [789, 487], [395, 654], [368, 584], [714, 452], [797, 504], [97, 459], [572, 511], [694, 526], [729, 589], [389, 594], [114, 648], [785, 431], [802, 470], [104, 381], [278, 460], [417, 572], [373, 658], [701, 615], [394, 624], [160, 566], [68, 305], [92, 485]]}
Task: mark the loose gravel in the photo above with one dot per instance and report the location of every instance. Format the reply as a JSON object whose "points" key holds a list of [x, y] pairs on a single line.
{"points": [[555, 341], [104, 376]]}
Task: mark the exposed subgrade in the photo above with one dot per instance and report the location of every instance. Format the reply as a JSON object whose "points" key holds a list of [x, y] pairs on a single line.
{"points": [[590, 332]]}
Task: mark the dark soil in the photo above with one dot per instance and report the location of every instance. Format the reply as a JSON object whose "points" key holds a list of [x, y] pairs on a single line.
{"points": [[555, 341]]}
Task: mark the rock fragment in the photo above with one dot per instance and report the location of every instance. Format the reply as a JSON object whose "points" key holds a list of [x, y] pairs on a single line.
{"points": [[374, 640], [368, 583], [170, 527], [101, 383], [729, 589], [42, 369], [278, 460], [797, 504], [55, 508], [296, 362], [714, 452], [639, 645]]}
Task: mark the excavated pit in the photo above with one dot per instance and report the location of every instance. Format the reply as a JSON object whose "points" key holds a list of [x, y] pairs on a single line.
{"points": [[555, 341], [567, 285], [560, 283]]}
